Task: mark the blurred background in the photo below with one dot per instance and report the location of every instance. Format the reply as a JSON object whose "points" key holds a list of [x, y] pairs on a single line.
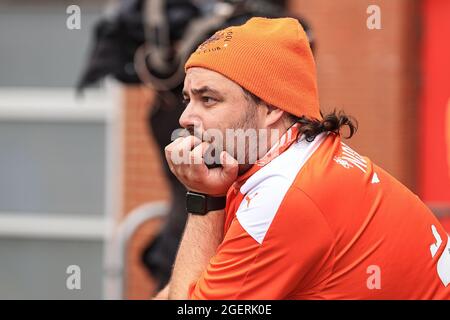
{"points": [[89, 94]]}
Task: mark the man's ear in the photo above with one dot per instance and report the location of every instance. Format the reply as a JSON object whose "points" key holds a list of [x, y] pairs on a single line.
{"points": [[273, 115]]}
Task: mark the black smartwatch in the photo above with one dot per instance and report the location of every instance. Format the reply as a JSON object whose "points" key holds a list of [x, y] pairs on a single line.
{"points": [[201, 204]]}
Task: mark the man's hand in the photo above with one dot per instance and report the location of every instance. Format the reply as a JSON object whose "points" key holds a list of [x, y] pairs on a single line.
{"points": [[203, 234], [185, 159]]}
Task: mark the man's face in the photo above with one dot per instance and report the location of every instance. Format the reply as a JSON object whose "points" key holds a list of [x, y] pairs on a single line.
{"points": [[215, 102]]}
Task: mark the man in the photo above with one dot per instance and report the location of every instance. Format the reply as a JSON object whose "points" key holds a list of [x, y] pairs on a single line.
{"points": [[159, 256], [310, 218]]}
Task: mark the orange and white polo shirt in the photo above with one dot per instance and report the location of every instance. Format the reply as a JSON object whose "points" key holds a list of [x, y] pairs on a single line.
{"points": [[315, 220]]}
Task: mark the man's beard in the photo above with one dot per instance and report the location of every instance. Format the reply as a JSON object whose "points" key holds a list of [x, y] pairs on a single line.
{"points": [[248, 121], [245, 153]]}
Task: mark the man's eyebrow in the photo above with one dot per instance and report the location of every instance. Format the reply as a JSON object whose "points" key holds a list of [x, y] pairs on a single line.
{"points": [[202, 90]]}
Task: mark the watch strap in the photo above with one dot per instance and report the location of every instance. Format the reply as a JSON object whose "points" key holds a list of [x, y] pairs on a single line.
{"points": [[201, 204]]}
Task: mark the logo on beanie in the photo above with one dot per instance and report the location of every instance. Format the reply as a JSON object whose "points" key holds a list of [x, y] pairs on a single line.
{"points": [[211, 45]]}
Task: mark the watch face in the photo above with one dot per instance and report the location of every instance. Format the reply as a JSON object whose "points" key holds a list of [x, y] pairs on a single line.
{"points": [[195, 203]]}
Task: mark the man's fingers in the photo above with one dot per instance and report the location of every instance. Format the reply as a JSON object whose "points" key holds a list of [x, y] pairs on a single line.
{"points": [[230, 165], [187, 144], [174, 143], [178, 151], [198, 152], [168, 152]]}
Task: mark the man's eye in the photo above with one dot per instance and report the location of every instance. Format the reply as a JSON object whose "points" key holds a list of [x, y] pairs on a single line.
{"points": [[208, 100]]}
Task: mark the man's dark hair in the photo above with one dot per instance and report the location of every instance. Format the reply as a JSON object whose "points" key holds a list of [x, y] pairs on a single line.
{"points": [[331, 122]]}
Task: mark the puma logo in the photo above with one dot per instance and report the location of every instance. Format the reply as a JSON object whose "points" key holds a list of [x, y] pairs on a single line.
{"points": [[250, 199]]}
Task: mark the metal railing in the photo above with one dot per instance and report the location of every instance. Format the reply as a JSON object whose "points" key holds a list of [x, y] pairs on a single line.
{"points": [[116, 251]]}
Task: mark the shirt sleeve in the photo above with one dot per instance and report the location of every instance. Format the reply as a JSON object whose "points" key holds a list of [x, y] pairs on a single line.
{"points": [[293, 256]]}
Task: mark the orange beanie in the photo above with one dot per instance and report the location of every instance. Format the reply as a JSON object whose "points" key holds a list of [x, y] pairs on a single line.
{"points": [[271, 58]]}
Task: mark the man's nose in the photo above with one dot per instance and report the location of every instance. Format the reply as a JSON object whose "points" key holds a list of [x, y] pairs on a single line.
{"points": [[188, 118]]}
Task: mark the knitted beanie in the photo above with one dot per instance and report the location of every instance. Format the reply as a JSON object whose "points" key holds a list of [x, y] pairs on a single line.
{"points": [[271, 58]]}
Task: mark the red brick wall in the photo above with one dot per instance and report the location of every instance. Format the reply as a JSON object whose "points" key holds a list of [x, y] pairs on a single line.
{"points": [[143, 182]]}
